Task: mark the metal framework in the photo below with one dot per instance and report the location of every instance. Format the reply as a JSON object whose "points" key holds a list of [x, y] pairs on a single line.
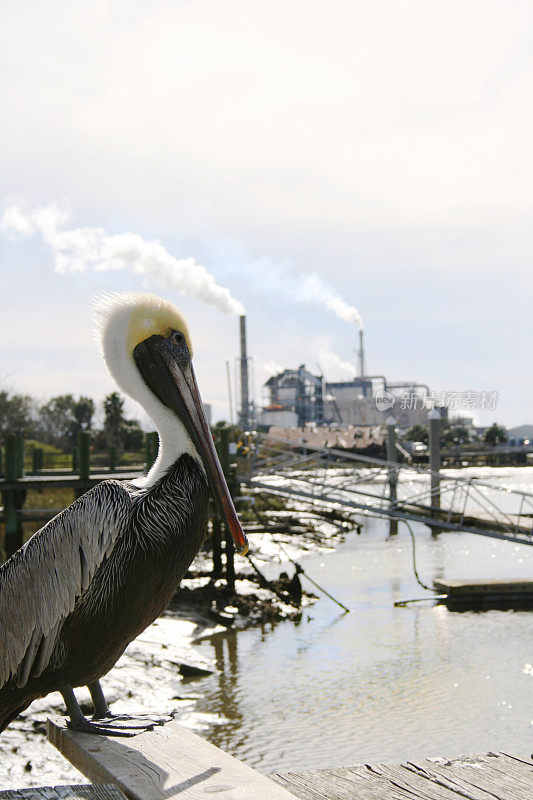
{"points": [[335, 477]]}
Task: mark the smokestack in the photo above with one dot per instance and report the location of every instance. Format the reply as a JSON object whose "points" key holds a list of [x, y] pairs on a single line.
{"points": [[245, 402], [361, 355]]}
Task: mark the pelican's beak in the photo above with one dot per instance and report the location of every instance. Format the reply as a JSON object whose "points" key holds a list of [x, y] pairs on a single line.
{"points": [[174, 382]]}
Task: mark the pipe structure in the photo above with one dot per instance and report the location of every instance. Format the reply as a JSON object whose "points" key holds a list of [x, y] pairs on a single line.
{"points": [[408, 385], [245, 396]]}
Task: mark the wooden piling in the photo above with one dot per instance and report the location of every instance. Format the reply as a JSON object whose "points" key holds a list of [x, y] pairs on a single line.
{"points": [[434, 419], [222, 447], [37, 460], [13, 525], [112, 458], [392, 457]]}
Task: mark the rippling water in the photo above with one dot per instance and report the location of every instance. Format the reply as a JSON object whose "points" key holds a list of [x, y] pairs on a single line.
{"points": [[381, 683]]}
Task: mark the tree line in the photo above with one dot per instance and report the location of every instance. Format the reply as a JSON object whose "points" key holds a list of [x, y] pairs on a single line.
{"points": [[59, 421]]}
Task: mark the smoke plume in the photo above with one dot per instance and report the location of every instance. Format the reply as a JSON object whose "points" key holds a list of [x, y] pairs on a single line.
{"points": [[82, 249], [315, 289], [333, 366], [305, 288]]}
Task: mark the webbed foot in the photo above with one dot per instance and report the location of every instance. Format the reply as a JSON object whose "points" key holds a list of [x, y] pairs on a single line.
{"points": [[136, 722]]}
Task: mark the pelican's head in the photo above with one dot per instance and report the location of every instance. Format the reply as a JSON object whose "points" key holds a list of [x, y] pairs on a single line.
{"points": [[147, 348]]}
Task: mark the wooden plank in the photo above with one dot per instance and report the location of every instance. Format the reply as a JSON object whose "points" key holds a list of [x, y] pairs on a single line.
{"points": [[483, 586], [82, 792], [168, 762], [482, 777]]}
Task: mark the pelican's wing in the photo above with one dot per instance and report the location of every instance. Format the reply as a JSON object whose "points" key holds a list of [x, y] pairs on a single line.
{"points": [[40, 583]]}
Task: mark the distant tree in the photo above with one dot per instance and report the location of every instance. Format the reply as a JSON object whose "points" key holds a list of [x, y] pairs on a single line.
{"points": [[456, 434], [118, 430], [62, 418], [418, 433], [496, 434], [16, 414], [132, 435], [114, 418], [83, 416]]}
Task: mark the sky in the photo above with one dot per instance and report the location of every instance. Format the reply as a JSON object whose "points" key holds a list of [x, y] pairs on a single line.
{"points": [[376, 154]]}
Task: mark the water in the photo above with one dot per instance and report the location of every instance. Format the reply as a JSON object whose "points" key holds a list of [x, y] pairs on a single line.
{"points": [[381, 683]]}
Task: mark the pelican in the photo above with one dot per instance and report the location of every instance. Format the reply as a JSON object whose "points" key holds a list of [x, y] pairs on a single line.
{"points": [[95, 576]]}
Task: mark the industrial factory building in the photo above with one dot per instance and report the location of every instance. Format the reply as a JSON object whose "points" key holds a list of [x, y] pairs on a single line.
{"points": [[298, 398]]}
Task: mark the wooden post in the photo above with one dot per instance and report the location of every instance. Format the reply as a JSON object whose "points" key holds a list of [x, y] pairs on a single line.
{"points": [[84, 462], [151, 444], [434, 456], [13, 497], [113, 458], [37, 460], [392, 457], [19, 455], [216, 540], [222, 446], [10, 512]]}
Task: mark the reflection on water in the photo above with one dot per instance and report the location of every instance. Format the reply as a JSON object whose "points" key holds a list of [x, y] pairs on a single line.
{"points": [[380, 683]]}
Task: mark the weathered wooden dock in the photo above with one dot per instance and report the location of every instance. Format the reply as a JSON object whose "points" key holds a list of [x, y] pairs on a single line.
{"points": [[510, 593], [172, 763]]}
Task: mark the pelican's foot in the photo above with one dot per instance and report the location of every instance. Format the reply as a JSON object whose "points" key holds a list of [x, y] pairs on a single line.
{"points": [[84, 726], [136, 722]]}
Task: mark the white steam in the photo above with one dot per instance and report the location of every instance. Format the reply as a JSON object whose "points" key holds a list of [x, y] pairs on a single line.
{"points": [[305, 288], [82, 249], [334, 367], [313, 288]]}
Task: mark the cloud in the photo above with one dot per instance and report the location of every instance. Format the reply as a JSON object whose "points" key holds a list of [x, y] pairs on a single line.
{"points": [[82, 249], [296, 116]]}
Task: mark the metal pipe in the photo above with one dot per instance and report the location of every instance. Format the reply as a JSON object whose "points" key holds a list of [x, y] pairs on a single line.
{"points": [[409, 384]]}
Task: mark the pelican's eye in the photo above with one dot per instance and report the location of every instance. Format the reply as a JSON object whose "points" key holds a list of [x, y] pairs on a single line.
{"points": [[178, 337]]}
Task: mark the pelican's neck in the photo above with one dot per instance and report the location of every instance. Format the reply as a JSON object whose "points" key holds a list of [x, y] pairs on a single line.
{"points": [[174, 441]]}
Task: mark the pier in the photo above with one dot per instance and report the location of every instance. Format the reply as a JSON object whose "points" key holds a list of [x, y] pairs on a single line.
{"points": [[387, 488], [475, 594], [172, 763]]}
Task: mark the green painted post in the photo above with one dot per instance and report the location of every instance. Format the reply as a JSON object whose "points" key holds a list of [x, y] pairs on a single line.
{"points": [[19, 455], [113, 458], [37, 459], [13, 528], [11, 457], [84, 460], [151, 449], [223, 450]]}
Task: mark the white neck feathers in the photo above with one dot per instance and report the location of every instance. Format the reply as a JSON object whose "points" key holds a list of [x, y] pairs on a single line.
{"points": [[113, 315]]}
